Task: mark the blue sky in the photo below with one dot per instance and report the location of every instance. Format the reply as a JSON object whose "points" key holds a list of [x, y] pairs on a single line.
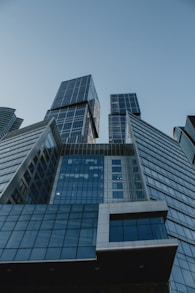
{"points": [[141, 46]]}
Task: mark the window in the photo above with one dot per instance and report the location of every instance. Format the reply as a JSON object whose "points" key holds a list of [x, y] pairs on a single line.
{"points": [[81, 179], [116, 162], [116, 169], [117, 177], [67, 126], [117, 194], [77, 124], [125, 228], [117, 185]]}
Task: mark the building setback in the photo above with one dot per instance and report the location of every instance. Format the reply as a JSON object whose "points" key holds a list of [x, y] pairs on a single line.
{"points": [[76, 216]]}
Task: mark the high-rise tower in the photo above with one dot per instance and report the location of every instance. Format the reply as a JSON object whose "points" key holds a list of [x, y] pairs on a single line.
{"points": [[8, 121], [119, 105], [28, 160], [95, 218], [76, 109], [168, 175]]}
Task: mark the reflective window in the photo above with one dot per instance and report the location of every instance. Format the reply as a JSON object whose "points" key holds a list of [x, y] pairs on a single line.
{"points": [[116, 162], [170, 177], [116, 169], [117, 176], [80, 180], [48, 232], [117, 185], [123, 228], [117, 194]]}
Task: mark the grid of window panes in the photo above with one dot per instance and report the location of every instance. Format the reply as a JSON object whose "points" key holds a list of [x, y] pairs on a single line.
{"points": [[122, 179], [117, 183], [124, 102], [138, 193], [76, 109], [70, 120], [34, 158], [36, 183], [99, 149], [8, 121], [124, 227], [117, 128], [170, 177], [80, 180], [47, 232], [72, 92], [12, 153]]}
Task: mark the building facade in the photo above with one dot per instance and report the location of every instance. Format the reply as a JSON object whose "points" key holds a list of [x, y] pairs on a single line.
{"points": [[169, 176], [76, 109], [8, 121], [101, 218], [119, 105], [186, 137], [28, 159], [97, 214]]}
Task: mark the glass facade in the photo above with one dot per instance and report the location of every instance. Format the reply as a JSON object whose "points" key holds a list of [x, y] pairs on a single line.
{"points": [[122, 180], [106, 216], [117, 119], [169, 176], [76, 110], [80, 180], [8, 121], [47, 232], [127, 228], [28, 160], [121, 103]]}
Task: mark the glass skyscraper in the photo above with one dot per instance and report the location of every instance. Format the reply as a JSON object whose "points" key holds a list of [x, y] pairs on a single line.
{"points": [[119, 105], [8, 121], [28, 159], [102, 218], [169, 176], [76, 109]]}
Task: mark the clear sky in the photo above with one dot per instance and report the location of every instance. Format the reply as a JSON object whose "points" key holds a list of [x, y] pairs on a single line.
{"points": [[141, 46]]}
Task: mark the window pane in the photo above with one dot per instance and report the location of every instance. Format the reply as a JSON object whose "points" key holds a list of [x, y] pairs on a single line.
{"points": [[116, 169], [130, 233], [117, 194], [116, 162], [116, 234]]}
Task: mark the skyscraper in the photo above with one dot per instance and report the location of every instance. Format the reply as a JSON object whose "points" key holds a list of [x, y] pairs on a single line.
{"points": [[103, 218], [8, 121], [169, 176], [76, 109], [119, 105], [28, 159]]}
